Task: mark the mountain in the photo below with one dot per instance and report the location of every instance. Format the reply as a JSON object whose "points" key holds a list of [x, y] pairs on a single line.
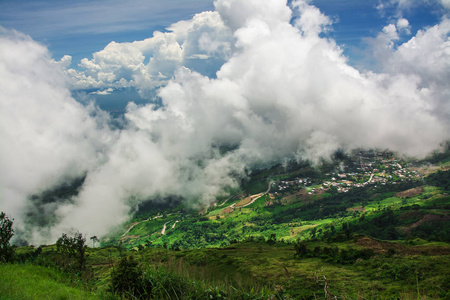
{"points": [[366, 224], [374, 192]]}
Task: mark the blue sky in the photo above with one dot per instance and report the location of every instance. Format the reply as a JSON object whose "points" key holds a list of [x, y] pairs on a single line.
{"points": [[80, 28], [356, 19]]}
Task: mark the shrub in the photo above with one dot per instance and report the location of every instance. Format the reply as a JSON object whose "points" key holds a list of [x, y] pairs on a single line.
{"points": [[6, 233], [300, 249], [73, 251], [127, 279]]}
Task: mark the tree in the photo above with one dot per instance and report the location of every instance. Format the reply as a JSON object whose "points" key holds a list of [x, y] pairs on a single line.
{"points": [[6, 233], [272, 239], [175, 246], [73, 248], [313, 232], [300, 249], [333, 190], [94, 240]]}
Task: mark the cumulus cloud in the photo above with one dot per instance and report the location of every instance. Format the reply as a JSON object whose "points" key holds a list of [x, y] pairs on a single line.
{"points": [[108, 91], [446, 3], [281, 92], [311, 20], [237, 15], [424, 58], [426, 55], [403, 25], [151, 63]]}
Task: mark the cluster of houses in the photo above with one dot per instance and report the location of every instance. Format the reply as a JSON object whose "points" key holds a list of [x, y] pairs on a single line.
{"points": [[285, 184], [375, 170], [407, 174]]}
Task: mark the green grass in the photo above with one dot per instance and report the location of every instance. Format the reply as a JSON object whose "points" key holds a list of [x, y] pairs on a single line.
{"points": [[148, 227], [255, 263], [283, 220], [239, 268], [36, 282], [261, 264]]}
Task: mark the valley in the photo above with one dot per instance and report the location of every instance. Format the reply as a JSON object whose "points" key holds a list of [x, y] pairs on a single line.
{"points": [[364, 226], [293, 203]]}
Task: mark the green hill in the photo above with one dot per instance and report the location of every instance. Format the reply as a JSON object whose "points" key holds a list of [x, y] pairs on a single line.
{"points": [[364, 226]]}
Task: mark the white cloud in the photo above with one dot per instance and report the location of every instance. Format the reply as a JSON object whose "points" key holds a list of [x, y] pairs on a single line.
{"points": [[446, 3], [403, 25], [237, 14], [103, 92], [46, 137], [311, 20], [426, 56], [147, 64]]}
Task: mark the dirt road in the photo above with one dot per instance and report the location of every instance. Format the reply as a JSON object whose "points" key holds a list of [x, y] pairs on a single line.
{"points": [[134, 224], [255, 197]]}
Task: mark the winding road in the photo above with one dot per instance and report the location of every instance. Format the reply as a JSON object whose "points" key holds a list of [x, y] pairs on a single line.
{"points": [[149, 219], [175, 223], [226, 200], [254, 199], [131, 227], [163, 231]]}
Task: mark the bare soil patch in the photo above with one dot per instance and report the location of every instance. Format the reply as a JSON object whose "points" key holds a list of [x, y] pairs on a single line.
{"points": [[410, 215], [430, 170], [227, 210], [383, 247], [410, 193], [303, 196], [359, 208], [103, 265], [425, 219], [248, 200], [375, 195], [294, 231], [130, 237]]}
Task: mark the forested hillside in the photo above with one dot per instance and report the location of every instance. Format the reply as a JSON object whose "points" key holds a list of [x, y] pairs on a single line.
{"points": [[364, 226]]}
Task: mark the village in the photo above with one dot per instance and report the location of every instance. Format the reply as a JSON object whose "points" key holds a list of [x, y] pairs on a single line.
{"points": [[366, 169]]}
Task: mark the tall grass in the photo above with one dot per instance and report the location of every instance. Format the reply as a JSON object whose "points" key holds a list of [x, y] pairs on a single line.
{"points": [[169, 284], [37, 282], [198, 276]]}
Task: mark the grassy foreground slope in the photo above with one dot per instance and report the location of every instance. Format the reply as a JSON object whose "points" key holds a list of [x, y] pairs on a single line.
{"points": [[361, 268], [26, 281]]}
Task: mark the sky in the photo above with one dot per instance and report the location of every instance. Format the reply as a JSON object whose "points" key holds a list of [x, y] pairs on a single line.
{"points": [[80, 28], [140, 98]]}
